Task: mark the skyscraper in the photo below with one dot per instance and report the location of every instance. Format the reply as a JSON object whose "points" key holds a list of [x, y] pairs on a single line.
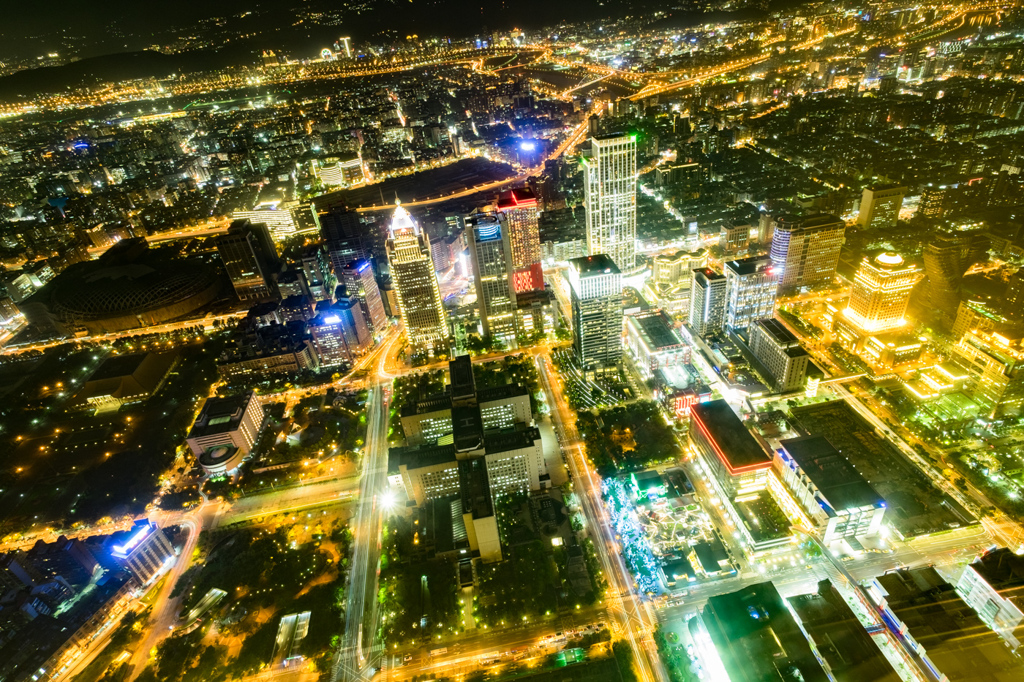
{"points": [[610, 187], [518, 209], [881, 291], [596, 289], [751, 285], [944, 272], [416, 288], [344, 235], [707, 301], [250, 260], [807, 249], [491, 251], [357, 277]]}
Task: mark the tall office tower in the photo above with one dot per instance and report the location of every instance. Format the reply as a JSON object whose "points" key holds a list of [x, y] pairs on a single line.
{"points": [[344, 235], [250, 260], [416, 288], [518, 209], [491, 251], [881, 291], [935, 201], [357, 277], [596, 289], [610, 185], [751, 285], [944, 273], [880, 206], [707, 301], [317, 267], [807, 249]]}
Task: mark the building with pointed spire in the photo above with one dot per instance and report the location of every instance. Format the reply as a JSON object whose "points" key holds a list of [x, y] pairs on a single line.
{"points": [[416, 289]]}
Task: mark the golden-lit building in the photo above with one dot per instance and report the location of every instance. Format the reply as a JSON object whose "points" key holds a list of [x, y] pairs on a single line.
{"points": [[416, 288], [881, 291], [995, 367]]}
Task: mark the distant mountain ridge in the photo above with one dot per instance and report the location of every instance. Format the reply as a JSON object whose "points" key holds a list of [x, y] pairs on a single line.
{"points": [[118, 67]]}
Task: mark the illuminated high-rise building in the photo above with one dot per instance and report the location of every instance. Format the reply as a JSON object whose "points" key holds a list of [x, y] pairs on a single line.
{"points": [[881, 291], [596, 288], [491, 251], [610, 188], [419, 295], [806, 250], [518, 209], [880, 206], [250, 259], [995, 368], [751, 285], [944, 272], [358, 279], [707, 301], [345, 236]]}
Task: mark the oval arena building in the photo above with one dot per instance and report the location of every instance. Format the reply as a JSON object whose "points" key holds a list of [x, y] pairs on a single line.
{"points": [[128, 287]]}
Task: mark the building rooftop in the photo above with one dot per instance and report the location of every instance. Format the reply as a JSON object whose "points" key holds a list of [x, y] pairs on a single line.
{"points": [[419, 456], [757, 637], [735, 446], [777, 331], [475, 488], [435, 403], [598, 264], [460, 371], [125, 376], [486, 395], [708, 274], [845, 645], [956, 639], [521, 197], [1004, 572], [655, 330], [832, 474], [506, 441], [467, 428], [221, 415], [749, 266]]}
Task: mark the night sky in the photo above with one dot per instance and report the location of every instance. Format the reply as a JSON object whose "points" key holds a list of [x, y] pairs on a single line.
{"points": [[108, 26]]}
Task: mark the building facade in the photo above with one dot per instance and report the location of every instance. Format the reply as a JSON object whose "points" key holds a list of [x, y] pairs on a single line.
{"points": [[519, 212], [596, 289], [358, 279], [416, 288], [249, 257], [610, 193], [708, 296], [491, 251], [144, 551], [806, 250], [880, 206], [751, 286], [235, 421], [881, 291], [780, 353]]}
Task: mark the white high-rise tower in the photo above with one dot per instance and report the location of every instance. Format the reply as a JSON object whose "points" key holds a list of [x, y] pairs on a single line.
{"points": [[610, 185]]}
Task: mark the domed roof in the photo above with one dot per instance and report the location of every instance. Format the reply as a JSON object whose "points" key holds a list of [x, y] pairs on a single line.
{"points": [[889, 259], [129, 288]]}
